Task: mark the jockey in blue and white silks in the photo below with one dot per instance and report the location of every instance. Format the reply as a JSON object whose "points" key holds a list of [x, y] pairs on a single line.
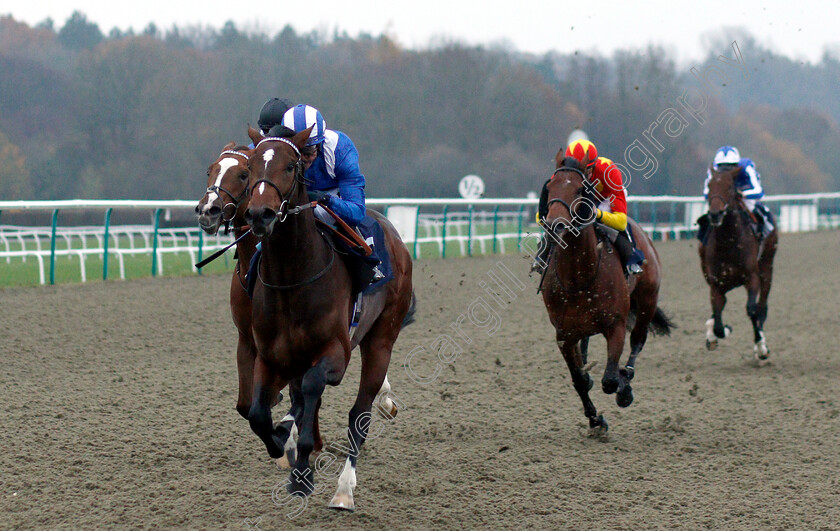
{"points": [[747, 182], [332, 164]]}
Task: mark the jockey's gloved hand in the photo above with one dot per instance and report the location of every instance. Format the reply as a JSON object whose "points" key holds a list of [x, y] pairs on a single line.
{"points": [[321, 197]]}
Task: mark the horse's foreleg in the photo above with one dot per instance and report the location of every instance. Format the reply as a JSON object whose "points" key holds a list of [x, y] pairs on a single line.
{"points": [[286, 431], [245, 356], [583, 383], [266, 387], [327, 370], [714, 327], [615, 347]]}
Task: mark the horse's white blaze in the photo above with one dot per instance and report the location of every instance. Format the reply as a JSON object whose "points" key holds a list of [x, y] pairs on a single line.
{"points": [[225, 164], [267, 156], [343, 498], [261, 189]]}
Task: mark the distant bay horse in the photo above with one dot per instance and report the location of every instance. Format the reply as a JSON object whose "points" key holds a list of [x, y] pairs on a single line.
{"points": [[735, 255], [586, 293], [302, 306]]}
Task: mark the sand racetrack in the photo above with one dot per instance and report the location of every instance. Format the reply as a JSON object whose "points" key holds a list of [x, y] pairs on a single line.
{"points": [[118, 398]]}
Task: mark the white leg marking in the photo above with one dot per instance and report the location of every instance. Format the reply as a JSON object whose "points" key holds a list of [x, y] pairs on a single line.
{"points": [[343, 498], [384, 405]]}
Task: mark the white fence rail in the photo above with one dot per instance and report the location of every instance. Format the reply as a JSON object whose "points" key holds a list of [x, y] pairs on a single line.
{"points": [[430, 227]]}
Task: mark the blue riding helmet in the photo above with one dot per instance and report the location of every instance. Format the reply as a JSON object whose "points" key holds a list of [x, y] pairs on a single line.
{"points": [[302, 117]]}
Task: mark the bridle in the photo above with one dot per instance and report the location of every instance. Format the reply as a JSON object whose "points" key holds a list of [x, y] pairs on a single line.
{"points": [[572, 221], [284, 211], [716, 218]]}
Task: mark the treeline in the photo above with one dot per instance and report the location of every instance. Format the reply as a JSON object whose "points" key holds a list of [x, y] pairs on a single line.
{"points": [[140, 116]]}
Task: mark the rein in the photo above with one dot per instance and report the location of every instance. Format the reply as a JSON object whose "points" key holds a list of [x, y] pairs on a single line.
{"points": [[309, 280]]}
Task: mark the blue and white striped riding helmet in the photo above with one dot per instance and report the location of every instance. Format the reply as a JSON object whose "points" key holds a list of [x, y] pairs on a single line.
{"points": [[302, 117], [727, 155]]}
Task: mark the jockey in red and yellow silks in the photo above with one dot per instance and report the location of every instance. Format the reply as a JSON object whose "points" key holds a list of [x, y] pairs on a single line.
{"points": [[607, 178], [604, 183]]}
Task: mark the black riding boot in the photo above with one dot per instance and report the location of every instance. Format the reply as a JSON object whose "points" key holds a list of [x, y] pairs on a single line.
{"points": [[631, 259], [543, 252]]}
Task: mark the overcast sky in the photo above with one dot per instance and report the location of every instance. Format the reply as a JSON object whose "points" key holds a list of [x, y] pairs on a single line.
{"points": [[798, 29]]}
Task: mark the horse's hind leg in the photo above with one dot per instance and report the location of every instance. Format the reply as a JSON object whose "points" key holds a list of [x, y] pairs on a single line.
{"points": [[765, 276], [385, 406], [714, 327], [583, 383], [376, 356]]}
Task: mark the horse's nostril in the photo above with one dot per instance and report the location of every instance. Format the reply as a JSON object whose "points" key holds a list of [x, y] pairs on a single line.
{"points": [[249, 218], [268, 216], [214, 211]]}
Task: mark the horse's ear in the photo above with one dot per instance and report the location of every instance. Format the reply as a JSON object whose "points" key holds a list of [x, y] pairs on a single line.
{"points": [[585, 162], [300, 138], [229, 145], [254, 135], [558, 158]]}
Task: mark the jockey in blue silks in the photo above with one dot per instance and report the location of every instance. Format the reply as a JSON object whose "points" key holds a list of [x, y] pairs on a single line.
{"points": [[332, 165], [747, 183]]}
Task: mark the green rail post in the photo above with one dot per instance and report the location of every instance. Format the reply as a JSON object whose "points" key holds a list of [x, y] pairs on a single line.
{"points": [[416, 231], [653, 206], [519, 230], [495, 227], [443, 241], [105, 244], [200, 247], [155, 242], [469, 231], [52, 247], [672, 220]]}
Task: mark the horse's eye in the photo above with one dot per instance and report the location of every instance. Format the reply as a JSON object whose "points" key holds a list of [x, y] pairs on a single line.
{"points": [[243, 176], [290, 167]]}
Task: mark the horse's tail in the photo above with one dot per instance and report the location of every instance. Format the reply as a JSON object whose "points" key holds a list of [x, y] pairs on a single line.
{"points": [[412, 308], [660, 325]]}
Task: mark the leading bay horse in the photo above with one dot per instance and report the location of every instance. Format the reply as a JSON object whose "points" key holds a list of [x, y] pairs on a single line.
{"points": [[302, 307], [734, 255], [586, 293]]}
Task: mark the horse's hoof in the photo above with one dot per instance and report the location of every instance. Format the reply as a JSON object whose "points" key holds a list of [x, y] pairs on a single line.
{"points": [[628, 373], [283, 463], [609, 386], [711, 344], [624, 397], [598, 427], [385, 414], [342, 502], [301, 486], [723, 333]]}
